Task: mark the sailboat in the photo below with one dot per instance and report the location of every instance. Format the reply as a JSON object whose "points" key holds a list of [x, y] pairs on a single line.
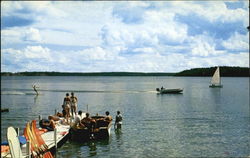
{"points": [[216, 81]]}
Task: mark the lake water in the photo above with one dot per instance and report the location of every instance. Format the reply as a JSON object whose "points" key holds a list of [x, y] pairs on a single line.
{"points": [[201, 122]]}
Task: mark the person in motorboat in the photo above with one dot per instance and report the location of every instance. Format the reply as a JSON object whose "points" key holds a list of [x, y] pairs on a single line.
{"points": [[73, 103], [87, 122], [162, 88], [108, 118], [78, 119], [118, 120]]}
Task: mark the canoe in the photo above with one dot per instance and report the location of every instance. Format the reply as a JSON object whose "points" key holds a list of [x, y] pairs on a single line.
{"points": [[173, 91], [101, 131]]}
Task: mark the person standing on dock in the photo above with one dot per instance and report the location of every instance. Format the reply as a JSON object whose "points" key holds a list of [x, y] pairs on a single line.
{"points": [[66, 106], [73, 101], [118, 120], [34, 87]]}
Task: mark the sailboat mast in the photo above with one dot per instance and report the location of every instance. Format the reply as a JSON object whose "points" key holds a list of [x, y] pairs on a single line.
{"points": [[219, 74]]}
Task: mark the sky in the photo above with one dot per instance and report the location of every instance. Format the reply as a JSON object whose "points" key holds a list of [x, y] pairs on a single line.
{"points": [[123, 36]]}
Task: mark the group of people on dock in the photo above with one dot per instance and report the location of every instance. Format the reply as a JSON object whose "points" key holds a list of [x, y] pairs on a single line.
{"points": [[80, 119], [69, 105]]}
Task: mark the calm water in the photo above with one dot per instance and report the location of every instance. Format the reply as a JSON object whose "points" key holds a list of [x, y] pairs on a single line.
{"points": [[201, 122]]}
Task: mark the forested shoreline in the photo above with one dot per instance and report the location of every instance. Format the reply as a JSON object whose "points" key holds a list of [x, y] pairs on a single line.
{"points": [[85, 74], [225, 71]]}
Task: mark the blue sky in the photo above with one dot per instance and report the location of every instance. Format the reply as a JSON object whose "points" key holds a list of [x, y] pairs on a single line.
{"points": [[132, 36]]}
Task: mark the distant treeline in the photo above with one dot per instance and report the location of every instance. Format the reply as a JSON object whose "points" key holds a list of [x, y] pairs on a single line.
{"points": [[225, 71], [85, 74]]}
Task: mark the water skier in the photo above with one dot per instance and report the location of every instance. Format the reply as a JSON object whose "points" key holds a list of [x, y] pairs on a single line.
{"points": [[34, 87]]}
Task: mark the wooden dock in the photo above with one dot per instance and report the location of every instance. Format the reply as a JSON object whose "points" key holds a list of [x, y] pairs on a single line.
{"points": [[62, 135]]}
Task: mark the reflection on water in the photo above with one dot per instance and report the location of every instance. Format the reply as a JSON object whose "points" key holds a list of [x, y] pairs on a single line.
{"points": [[35, 99], [92, 148], [87, 149], [118, 134], [118, 137]]}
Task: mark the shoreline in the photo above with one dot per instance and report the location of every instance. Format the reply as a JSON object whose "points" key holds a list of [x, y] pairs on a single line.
{"points": [[226, 71]]}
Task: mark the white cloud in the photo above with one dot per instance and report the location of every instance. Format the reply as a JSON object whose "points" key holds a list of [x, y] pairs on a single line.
{"points": [[210, 10], [79, 24], [37, 52], [158, 27], [144, 50], [32, 35], [96, 53], [150, 39], [10, 36], [37, 58], [237, 42], [20, 35], [203, 45]]}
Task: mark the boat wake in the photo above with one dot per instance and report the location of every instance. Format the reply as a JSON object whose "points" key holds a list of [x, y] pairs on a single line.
{"points": [[17, 93], [30, 92], [12, 93]]}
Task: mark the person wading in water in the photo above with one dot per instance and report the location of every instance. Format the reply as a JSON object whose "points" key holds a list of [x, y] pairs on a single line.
{"points": [[118, 120]]}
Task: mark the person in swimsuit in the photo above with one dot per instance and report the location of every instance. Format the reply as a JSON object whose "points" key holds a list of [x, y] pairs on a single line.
{"points": [[66, 105], [108, 118], [118, 120], [73, 101], [88, 122], [78, 119], [47, 124]]}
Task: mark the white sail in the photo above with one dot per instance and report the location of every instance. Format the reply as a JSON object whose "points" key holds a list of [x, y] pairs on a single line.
{"points": [[216, 77]]}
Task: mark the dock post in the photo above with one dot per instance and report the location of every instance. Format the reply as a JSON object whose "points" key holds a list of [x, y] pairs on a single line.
{"points": [[28, 149], [55, 111], [55, 139], [40, 117], [17, 131], [70, 121]]}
